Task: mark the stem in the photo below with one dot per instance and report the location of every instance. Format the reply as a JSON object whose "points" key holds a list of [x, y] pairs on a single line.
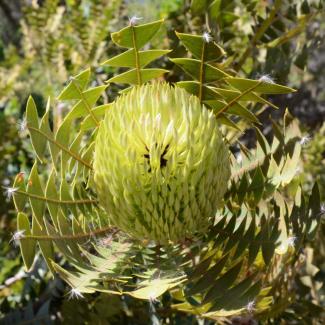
{"points": [[101, 231], [43, 198], [266, 24], [233, 101], [136, 53], [201, 75], [86, 102], [76, 157]]}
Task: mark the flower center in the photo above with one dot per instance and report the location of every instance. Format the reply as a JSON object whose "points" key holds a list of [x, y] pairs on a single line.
{"points": [[162, 161]]}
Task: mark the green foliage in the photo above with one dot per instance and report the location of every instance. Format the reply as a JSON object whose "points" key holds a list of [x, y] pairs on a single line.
{"points": [[239, 266], [258, 39], [134, 38]]}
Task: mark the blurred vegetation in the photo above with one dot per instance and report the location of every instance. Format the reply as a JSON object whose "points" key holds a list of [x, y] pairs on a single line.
{"points": [[42, 43]]}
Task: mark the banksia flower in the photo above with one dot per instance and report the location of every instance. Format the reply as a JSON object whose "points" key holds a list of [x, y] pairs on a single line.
{"points": [[161, 166]]}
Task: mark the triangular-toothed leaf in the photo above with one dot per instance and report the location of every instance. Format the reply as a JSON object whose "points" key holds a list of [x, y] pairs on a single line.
{"points": [[75, 148], [257, 185], [232, 94], [83, 106], [131, 77], [136, 36], [193, 68], [98, 112], [45, 245], [245, 241], [36, 197], [259, 87], [51, 193], [63, 133], [128, 58], [193, 87], [38, 141], [229, 300], [65, 195], [79, 83], [70, 244], [208, 277], [222, 284], [313, 213], [223, 119], [254, 246], [20, 200], [27, 246], [61, 244], [195, 44], [268, 246], [235, 109], [238, 235], [154, 288]]}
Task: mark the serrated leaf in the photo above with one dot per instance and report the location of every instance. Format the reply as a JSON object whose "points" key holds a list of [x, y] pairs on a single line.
{"points": [[98, 112], [142, 35], [193, 88], [259, 87], [193, 68], [38, 142], [195, 44], [52, 193], [79, 83], [128, 58], [35, 189], [45, 246], [27, 246], [130, 77], [235, 109], [155, 288], [20, 200], [230, 301], [82, 107], [208, 277], [222, 284]]}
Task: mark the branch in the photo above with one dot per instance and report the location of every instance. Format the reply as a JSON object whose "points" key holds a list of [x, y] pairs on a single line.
{"points": [[91, 113], [233, 101], [136, 53], [63, 148], [266, 24], [98, 232], [52, 200]]}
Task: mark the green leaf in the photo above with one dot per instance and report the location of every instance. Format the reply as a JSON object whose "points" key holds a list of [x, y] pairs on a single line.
{"points": [[130, 77], [152, 289], [235, 109], [257, 185], [195, 44], [27, 246], [98, 112], [38, 142], [35, 189], [199, 6], [142, 34], [192, 67], [222, 284], [89, 99], [193, 88], [52, 193], [229, 300], [79, 82], [20, 200], [45, 246], [208, 277], [128, 58], [261, 87]]}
